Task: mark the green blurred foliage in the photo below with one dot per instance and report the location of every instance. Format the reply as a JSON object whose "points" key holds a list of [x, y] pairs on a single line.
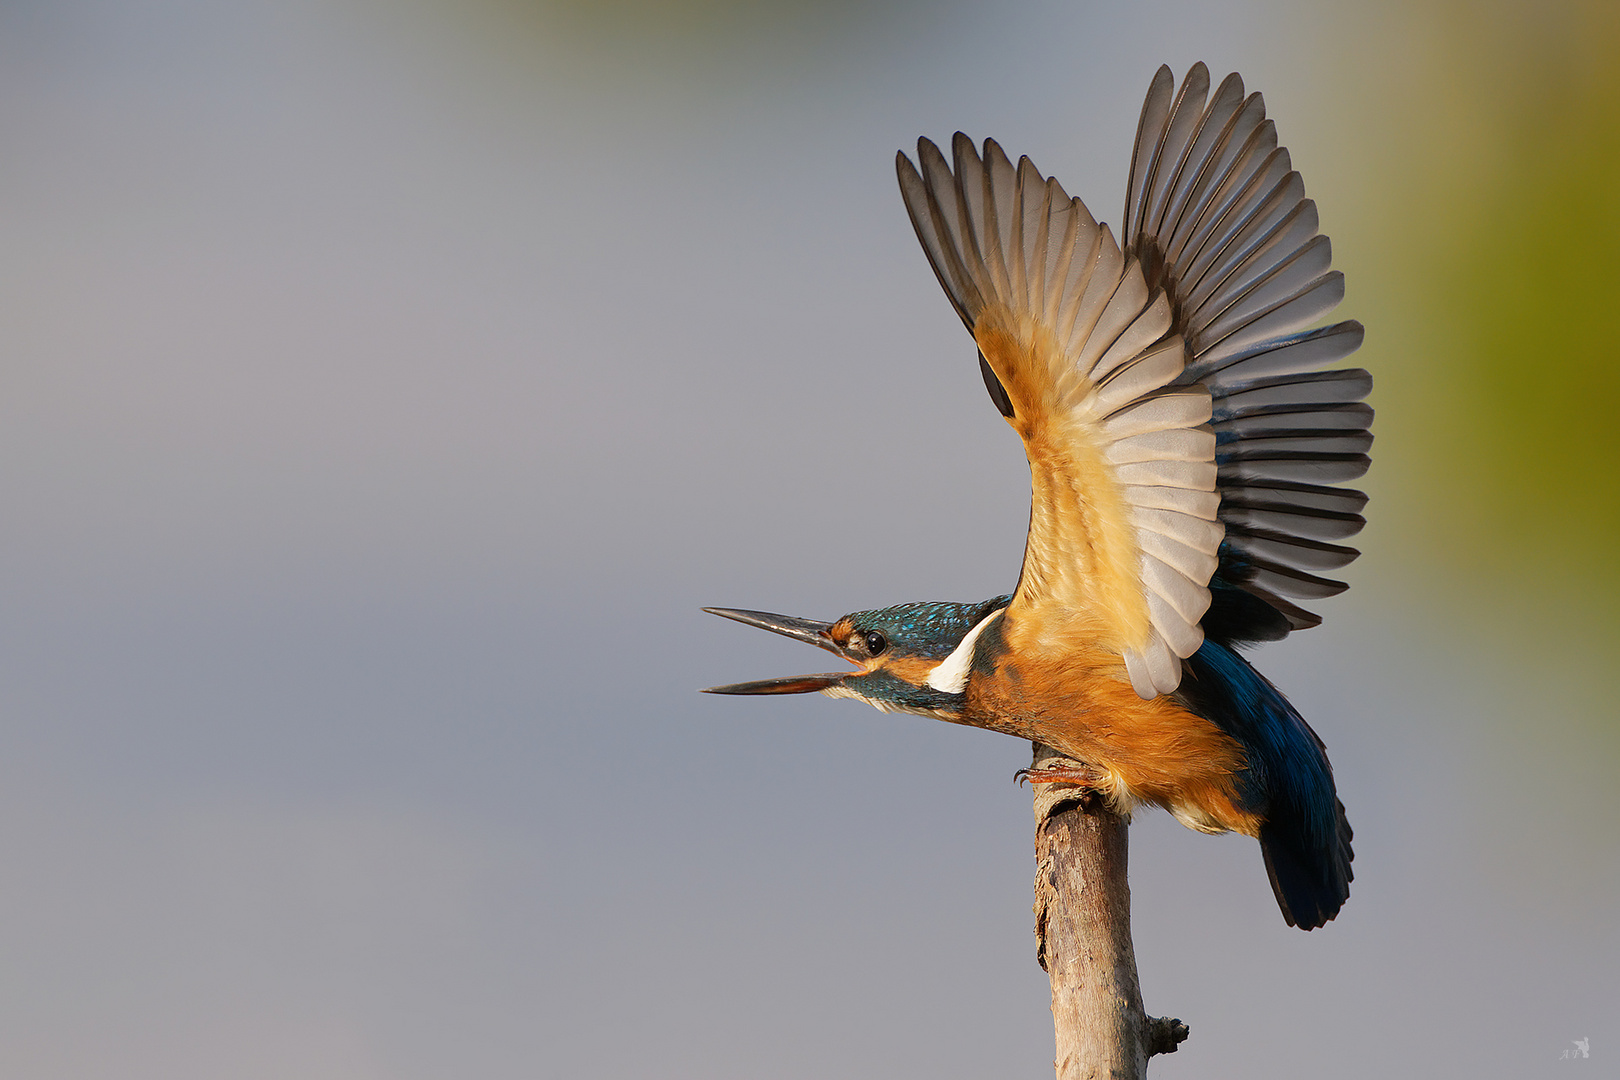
{"points": [[1473, 177], [692, 42], [1495, 199]]}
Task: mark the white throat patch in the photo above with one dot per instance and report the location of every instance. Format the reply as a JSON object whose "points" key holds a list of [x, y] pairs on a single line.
{"points": [[951, 673]]}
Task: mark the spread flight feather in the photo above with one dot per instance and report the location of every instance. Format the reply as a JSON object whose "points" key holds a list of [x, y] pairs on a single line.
{"points": [[1124, 536], [1218, 219], [1177, 426]]}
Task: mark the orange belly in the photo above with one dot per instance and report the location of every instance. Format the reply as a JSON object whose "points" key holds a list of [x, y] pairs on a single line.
{"points": [[1081, 703]]}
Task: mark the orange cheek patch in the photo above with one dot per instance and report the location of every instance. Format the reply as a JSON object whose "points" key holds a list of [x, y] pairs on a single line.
{"points": [[911, 669]]}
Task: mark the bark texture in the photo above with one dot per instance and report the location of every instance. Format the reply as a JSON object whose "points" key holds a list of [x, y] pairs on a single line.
{"points": [[1083, 926]]}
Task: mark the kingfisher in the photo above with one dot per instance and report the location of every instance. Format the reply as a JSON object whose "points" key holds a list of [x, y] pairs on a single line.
{"points": [[1187, 440]]}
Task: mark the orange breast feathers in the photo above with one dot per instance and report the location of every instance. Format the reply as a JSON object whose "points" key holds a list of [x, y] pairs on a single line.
{"points": [[1078, 700]]}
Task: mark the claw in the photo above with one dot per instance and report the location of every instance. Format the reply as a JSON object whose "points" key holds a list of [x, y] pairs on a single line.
{"points": [[1078, 775]]}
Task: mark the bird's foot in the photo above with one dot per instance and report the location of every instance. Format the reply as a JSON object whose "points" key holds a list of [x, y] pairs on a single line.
{"points": [[1078, 775]]}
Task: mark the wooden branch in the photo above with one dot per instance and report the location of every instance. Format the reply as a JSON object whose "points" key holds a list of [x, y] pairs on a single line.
{"points": [[1083, 926]]}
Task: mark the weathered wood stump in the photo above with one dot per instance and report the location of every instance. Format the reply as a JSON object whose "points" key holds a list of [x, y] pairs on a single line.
{"points": [[1083, 927]]}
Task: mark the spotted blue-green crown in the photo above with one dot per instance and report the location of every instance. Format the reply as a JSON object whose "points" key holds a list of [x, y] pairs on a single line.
{"points": [[929, 630]]}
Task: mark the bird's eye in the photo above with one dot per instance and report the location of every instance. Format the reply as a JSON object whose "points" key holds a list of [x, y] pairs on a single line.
{"points": [[876, 642]]}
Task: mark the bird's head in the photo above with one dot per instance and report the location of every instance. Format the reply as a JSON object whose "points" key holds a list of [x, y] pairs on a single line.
{"points": [[909, 658]]}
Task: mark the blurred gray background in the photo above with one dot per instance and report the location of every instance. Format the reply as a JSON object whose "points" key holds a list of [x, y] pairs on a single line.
{"points": [[384, 386]]}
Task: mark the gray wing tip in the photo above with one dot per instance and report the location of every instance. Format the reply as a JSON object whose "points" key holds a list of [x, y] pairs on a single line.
{"points": [[906, 169], [1194, 84], [1232, 84]]}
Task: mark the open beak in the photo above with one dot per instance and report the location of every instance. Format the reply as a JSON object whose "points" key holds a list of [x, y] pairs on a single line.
{"points": [[788, 626]]}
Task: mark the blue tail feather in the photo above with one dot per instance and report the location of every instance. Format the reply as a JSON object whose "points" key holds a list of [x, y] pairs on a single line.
{"points": [[1288, 782]]}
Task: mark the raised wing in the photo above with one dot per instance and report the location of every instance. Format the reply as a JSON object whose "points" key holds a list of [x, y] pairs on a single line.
{"points": [[1080, 356], [1217, 217]]}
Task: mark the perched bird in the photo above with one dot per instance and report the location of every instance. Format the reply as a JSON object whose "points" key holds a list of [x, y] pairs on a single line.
{"points": [[1184, 436]]}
